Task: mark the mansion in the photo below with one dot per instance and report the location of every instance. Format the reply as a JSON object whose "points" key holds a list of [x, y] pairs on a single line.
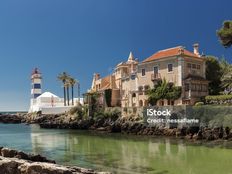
{"points": [[131, 80]]}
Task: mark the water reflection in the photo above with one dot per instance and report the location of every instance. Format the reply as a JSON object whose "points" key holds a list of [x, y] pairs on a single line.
{"points": [[128, 154]]}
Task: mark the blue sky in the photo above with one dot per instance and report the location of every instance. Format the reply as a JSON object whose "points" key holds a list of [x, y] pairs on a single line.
{"points": [[87, 36]]}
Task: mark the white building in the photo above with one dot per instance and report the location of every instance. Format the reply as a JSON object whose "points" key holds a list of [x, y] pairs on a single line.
{"points": [[47, 102]]}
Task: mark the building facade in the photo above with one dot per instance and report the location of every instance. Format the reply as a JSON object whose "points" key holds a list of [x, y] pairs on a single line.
{"points": [[131, 80], [177, 66], [113, 82]]}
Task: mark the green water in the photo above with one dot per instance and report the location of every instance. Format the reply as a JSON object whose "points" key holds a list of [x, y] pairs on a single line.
{"points": [[118, 153]]}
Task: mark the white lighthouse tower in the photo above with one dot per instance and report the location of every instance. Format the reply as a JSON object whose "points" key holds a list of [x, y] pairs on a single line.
{"points": [[36, 82]]}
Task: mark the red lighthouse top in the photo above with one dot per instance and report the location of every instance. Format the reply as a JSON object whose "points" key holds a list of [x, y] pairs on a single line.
{"points": [[35, 71]]}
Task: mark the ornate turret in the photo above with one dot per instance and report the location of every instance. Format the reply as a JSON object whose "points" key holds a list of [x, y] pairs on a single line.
{"points": [[131, 57]]}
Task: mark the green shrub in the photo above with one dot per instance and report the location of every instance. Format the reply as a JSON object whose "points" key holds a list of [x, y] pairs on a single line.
{"points": [[113, 114], [199, 103], [125, 109], [99, 114], [219, 99], [77, 111], [212, 116]]}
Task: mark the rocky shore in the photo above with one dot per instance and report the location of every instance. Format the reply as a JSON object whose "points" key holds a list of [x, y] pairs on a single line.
{"points": [[130, 125], [17, 162], [12, 118]]}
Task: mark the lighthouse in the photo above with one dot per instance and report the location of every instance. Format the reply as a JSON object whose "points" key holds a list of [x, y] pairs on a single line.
{"points": [[36, 82], [46, 102]]}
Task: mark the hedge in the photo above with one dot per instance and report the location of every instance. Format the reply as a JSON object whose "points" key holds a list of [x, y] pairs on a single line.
{"points": [[219, 99]]}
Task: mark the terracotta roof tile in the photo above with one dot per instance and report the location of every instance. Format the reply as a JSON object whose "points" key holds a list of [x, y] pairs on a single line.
{"points": [[105, 82], [169, 53]]}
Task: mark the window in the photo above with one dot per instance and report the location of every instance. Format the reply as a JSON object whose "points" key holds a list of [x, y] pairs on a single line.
{"points": [[140, 88], [161, 103], [146, 88], [145, 103], [189, 65], [172, 102], [194, 87], [133, 95], [36, 95], [143, 72], [194, 66], [170, 67], [187, 87], [133, 76], [198, 66], [37, 86], [156, 69]]}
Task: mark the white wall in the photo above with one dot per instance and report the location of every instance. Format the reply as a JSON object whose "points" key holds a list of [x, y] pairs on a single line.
{"points": [[55, 110]]}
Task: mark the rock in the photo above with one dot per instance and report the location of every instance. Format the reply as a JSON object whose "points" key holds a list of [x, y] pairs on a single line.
{"points": [[35, 164], [188, 137], [116, 127], [208, 134], [101, 129], [125, 125], [9, 118], [192, 130], [19, 166], [170, 132], [5, 152]]}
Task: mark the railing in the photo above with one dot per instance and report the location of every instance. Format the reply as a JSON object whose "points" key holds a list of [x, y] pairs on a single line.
{"points": [[155, 76]]}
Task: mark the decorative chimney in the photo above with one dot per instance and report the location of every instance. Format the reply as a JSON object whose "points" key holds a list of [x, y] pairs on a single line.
{"points": [[196, 49], [181, 50]]}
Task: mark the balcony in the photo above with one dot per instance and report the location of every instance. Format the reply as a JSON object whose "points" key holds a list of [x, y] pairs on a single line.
{"points": [[155, 76]]}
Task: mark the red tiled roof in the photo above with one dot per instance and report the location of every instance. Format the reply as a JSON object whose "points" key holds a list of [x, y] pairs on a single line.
{"points": [[105, 82], [171, 52]]}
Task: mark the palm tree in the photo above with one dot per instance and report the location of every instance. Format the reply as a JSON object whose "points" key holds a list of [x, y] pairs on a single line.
{"points": [[67, 85], [227, 81], [163, 90], [72, 83], [63, 77], [226, 78]]}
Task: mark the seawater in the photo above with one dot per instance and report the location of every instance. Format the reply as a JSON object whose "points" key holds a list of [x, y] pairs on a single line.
{"points": [[117, 153]]}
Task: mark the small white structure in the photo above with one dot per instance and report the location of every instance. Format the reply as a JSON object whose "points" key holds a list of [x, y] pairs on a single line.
{"points": [[47, 102]]}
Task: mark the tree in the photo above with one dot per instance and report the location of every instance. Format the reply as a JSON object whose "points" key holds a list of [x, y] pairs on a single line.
{"points": [[72, 83], [225, 34], [67, 85], [226, 79], [63, 77], [163, 90], [213, 74]]}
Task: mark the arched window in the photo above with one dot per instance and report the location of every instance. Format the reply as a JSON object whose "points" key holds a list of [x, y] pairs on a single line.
{"points": [[133, 95], [145, 103]]}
